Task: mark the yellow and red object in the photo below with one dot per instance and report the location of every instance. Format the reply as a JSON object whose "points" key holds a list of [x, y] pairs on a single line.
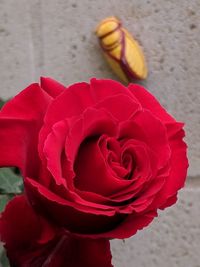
{"points": [[121, 50]]}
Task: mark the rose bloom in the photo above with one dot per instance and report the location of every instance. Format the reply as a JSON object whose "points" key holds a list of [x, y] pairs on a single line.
{"points": [[98, 160]]}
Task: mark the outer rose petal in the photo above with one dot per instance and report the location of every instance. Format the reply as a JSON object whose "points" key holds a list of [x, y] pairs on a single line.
{"points": [[101, 89], [86, 224], [31, 242], [71, 215], [79, 96], [79, 252], [76, 98], [52, 87], [179, 164], [122, 107], [56, 139], [156, 135], [72, 102], [148, 101], [23, 231], [20, 121], [128, 227], [179, 161]]}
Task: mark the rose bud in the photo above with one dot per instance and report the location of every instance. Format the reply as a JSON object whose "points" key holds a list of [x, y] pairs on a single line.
{"points": [[121, 50], [98, 160]]}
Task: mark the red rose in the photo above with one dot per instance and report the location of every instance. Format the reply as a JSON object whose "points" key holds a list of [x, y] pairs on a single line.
{"points": [[98, 161]]}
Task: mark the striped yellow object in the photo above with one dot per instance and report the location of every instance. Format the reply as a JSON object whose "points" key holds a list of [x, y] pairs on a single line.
{"points": [[122, 52]]}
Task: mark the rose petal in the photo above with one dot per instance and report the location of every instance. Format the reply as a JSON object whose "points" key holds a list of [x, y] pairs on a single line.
{"points": [[128, 227], [56, 139], [101, 89], [131, 225], [96, 177], [30, 104], [150, 130], [120, 106], [17, 146], [52, 87], [74, 252], [80, 96], [75, 217], [147, 196], [72, 102], [179, 161], [20, 121], [76, 98], [93, 123], [179, 165], [170, 201], [23, 231], [41, 192], [21, 234], [148, 101], [142, 175]]}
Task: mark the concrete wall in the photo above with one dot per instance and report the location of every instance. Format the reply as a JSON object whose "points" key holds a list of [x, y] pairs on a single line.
{"points": [[56, 38]]}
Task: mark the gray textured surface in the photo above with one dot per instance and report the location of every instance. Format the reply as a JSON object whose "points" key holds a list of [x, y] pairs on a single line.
{"points": [[56, 38], [15, 47], [172, 240]]}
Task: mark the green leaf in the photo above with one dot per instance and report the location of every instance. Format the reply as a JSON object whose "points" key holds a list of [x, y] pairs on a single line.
{"points": [[3, 201], [2, 102], [3, 258], [10, 183]]}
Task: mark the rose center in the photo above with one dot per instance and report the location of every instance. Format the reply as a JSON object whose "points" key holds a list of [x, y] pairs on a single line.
{"points": [[119, 161], [103, 164]]}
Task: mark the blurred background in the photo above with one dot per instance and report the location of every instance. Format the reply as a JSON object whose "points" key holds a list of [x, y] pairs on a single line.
{"points": [[56, 38]]}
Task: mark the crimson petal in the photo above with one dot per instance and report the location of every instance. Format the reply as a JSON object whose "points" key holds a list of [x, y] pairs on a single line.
{"points": [[76, 98], [20, 121], [96, 177], [31, 241], [101, 89], [140, 128], [120, 106], [129, 226], [73, 216], [179, 165], [76, 252], [52, 87], [56, 139], [23, 231], [148, 101]]}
